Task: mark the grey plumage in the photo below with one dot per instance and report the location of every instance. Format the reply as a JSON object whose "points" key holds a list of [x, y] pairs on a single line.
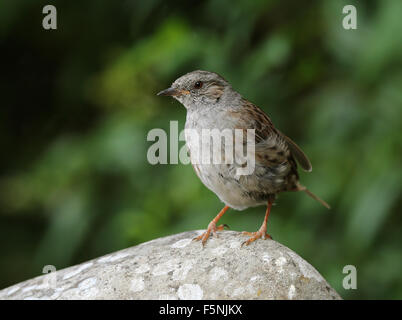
{"points": [[212, 103]]}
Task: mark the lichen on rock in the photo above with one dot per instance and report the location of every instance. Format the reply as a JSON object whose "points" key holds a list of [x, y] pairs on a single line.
{"points": [[175, 267]]}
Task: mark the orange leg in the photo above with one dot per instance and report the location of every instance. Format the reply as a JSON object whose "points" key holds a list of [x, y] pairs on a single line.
{"points": [[262, 232], [212, 228]]}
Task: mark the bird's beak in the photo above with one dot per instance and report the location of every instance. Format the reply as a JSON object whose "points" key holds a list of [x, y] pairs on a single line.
{"points": [[173, 92]]}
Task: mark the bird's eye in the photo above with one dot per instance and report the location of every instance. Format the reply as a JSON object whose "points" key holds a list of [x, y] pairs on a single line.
{"points": [[198, 84]]}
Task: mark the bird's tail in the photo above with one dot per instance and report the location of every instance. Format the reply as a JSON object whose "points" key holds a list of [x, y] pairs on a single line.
{"points": [[312, 195]]}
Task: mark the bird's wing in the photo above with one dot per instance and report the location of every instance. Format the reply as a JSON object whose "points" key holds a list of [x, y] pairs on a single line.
{"points": [[270, 142], [297, 152]]}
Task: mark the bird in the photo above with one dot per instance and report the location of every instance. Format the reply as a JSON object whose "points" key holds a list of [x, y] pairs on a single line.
{"points": [[212, 103]]}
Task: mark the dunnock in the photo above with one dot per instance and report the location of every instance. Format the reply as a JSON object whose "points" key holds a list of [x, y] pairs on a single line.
{"points": [[212, 103]]}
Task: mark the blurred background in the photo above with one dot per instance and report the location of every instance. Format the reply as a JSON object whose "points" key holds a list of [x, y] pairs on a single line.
{"points": [[77, 104]]}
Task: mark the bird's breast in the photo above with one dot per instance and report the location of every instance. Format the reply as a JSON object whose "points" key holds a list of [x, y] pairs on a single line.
{"points": [[211, 145]]}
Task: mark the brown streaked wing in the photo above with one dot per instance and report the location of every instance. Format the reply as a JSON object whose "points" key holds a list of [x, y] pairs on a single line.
{"points": [[298, 153], [264, 127]]}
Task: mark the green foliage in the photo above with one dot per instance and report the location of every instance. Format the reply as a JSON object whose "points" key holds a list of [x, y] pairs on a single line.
{"points": [[79, 102]]}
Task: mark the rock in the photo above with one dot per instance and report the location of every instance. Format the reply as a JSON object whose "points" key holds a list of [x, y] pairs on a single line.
{"points": [[175, 267]]}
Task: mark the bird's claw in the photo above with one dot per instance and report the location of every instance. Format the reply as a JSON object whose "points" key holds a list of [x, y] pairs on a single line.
{"points": [[212, 229], [222, 227], [254, 236]]}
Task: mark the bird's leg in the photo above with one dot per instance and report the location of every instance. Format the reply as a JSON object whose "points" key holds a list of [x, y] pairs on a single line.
{"points": [[212, 227], [262, 232]]}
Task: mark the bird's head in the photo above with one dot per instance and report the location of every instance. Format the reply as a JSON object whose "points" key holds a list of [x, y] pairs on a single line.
{"points": [[198, 88]]}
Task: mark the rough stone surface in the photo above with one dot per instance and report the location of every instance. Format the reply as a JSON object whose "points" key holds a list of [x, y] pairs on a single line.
{"points": [[175, 267]]}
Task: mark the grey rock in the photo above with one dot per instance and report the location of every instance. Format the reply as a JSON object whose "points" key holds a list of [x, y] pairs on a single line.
{"points": [[175, 267]]}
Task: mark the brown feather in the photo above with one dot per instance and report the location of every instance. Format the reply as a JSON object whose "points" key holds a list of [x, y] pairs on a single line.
{"points": [[298, 154], [264, 127]]}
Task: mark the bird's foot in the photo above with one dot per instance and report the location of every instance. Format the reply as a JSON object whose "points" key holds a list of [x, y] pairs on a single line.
{"points": [[255, 235], [212, 229]]}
